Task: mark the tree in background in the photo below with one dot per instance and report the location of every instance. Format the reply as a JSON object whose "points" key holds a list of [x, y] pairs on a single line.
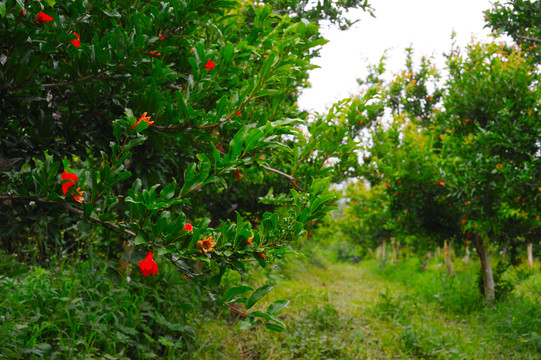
{"points": [[470, 167], [492, 145]]}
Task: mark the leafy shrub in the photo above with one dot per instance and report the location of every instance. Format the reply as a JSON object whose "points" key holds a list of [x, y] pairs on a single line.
{"points": [[85, 310]]}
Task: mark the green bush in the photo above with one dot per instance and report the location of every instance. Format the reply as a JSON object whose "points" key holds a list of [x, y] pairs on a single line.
{"points": [[85, 310]]}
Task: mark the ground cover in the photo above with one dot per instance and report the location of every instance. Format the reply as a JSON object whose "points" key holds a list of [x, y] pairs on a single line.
{"points": [[338, 310], [363, 311]]}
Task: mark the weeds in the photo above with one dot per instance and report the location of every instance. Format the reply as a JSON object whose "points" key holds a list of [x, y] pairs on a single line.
{"points": [[85, 310]]}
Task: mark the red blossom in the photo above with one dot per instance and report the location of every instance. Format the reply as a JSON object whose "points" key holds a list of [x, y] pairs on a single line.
{"points": [[148, 265], [188, 227], [467, 243], [388, 185], [154, 53], [206, 245], [250, 241], [210, 65], [21, 12], [259, 254], [77, 42], [79, 196], [238, 174], [441, 183], [143, 118], [161, 37], [67, 176], [42, 17]]}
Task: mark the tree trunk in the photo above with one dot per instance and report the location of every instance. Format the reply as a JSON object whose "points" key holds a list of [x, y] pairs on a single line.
{"points": [[425, 263], [530, 255], [448, 259], [396, 248], [486, 269], [504, 255]]}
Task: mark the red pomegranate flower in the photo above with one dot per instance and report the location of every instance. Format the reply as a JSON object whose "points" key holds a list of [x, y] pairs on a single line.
{"points": [[210, 65], [143, 118], [250, 239], [148, 265], [188, 227], [77, 42], [67, 176], [42, 17], [79, 196], [441, 183], [238, 174], [206, 245]]}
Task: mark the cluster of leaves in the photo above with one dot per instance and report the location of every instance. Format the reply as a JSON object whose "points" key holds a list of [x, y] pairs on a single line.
{"points": [[215, 83], [520, 20]]}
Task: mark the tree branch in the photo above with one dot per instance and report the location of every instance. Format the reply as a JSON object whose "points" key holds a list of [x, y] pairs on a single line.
{"points": [[65, 83], [71, 209], [289, 177], [529, 38]]}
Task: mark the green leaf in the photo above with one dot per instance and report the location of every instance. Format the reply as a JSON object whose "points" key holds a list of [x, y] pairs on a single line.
{"points": [[237, 290], [139, 239], [258, 294], [246, 324], [261, 315], [228, 53], [168, 191], [3, 8], [276, 307], [274, 327]]}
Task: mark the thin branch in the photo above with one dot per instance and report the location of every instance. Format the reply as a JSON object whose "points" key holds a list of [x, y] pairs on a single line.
{"points": [[243, 313], [173, 87], [65, 83], [529, 38], [71, 209], [289, 177]]}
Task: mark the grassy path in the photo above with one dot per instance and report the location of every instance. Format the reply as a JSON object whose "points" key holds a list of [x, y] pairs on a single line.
{"points": [[346, 311]]}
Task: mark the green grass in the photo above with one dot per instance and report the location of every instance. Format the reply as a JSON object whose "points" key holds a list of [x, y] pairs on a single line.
{"points": [[347, 311], [88, 310]]}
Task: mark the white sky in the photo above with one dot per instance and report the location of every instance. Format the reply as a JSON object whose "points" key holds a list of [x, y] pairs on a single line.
{"points": [[425, 24]]}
